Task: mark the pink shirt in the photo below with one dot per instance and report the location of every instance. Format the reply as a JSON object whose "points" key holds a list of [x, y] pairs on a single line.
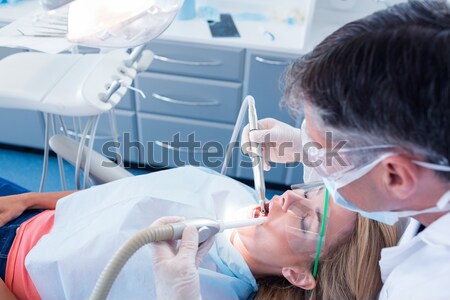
{"points": [[28, 234]]}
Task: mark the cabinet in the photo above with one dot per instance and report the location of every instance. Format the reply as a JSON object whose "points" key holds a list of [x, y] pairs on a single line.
{"points": [[194, 93], [263, 79], [193, 96]]}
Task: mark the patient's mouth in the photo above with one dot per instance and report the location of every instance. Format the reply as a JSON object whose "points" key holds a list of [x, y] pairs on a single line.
{"points": [[257, 211]]}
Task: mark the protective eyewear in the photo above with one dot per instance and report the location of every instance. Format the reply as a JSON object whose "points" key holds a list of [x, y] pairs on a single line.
{"points": [[306, 218]]}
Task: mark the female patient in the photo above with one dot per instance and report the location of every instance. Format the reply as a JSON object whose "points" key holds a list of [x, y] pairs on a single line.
{"points": [[90, 225]]}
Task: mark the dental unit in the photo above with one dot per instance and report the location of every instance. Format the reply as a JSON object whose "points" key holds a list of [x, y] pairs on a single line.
{"points": [[84, 85]]}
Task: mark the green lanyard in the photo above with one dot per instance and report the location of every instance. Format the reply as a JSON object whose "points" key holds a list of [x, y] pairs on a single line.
{"points": [[322, 233]]}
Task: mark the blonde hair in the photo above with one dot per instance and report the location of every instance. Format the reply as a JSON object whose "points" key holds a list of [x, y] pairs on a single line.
{"points": [[348, 270]]}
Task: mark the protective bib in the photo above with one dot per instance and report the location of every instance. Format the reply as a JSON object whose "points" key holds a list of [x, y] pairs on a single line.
{"points": [[92, 224]]}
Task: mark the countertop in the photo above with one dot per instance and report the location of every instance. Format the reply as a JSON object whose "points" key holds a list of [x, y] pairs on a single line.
{"points": [[270, 33]]}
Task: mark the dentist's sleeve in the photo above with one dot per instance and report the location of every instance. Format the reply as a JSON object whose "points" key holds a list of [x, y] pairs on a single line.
{"points": [[176, 270]]}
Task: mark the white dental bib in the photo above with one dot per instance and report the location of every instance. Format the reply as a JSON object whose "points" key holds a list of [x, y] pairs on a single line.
{"points": [[92, 224]]}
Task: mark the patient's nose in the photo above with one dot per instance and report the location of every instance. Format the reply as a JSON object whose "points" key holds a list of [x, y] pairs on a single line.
{"points": [[289, 198]]}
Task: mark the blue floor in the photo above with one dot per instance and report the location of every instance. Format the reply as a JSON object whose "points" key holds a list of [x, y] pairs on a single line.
{"points": [[24, 169]]}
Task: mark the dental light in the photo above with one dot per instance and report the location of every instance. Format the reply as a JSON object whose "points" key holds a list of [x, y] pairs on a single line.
{"points": [[114, 23]]}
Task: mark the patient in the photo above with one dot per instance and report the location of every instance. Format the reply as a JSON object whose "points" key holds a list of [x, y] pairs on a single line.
{"points": [[279, 254]]}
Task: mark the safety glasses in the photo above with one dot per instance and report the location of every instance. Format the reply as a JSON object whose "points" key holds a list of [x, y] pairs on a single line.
{"points": [[335, 164], [306, 216]]}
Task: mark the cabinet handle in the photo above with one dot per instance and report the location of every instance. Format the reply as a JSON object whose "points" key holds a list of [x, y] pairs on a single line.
{"points": [[73, 134], [187, 62], [168, 146], [212, 102], [271, 62]]}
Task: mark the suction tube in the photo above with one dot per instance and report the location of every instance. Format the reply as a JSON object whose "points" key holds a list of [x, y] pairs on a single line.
{"points": [[206, 228]]}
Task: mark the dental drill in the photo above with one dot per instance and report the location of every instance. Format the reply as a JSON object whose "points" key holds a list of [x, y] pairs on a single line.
{"points": [[256, 156], [206, 229]]}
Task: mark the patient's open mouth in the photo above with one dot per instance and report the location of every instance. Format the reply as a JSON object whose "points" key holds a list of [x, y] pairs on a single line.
{"points": [[257, 211]]}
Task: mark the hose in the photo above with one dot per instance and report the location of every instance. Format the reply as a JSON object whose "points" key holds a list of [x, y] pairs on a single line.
{"points": [[115, 265]]}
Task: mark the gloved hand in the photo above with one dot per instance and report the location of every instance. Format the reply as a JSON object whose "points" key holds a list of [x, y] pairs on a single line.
{"points": [[280, 142], [176, 271]]}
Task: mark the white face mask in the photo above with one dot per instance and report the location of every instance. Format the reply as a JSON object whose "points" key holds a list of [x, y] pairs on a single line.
{"points": [[387, 217]]}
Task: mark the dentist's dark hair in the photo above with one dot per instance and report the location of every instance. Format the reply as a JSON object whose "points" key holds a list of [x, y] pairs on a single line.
{"points": [[383, 79]]}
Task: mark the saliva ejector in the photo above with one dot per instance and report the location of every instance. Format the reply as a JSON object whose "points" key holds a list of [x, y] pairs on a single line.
{"points": [[206, 229]]}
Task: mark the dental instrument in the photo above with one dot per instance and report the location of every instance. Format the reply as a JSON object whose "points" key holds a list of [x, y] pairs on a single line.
{"points": [[257, 157], [206, 229], [257, 165]]}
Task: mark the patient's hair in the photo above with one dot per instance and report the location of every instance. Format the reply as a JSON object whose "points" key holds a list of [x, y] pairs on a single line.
{"points": [[348, 270]]}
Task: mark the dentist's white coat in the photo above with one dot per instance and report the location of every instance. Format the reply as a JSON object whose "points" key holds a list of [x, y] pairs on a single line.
{"points": [[419, 268]]}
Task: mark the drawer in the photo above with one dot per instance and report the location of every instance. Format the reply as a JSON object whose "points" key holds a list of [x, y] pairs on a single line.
{"points": [[263, 77], [175, 142], [189, 97], [197, 60]]}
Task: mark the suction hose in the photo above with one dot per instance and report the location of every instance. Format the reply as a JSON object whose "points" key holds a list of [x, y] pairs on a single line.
{"points": [[206, 229], [115, 265]]}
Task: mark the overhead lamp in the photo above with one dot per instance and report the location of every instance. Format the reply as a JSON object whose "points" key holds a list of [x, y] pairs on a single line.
{"points": [[115, 23]]}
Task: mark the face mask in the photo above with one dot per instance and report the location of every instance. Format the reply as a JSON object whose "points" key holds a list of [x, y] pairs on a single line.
{"points": [[387, 217], [341, 201]]}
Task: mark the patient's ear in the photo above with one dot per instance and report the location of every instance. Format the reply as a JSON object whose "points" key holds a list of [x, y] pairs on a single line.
{"points": [[300, 277]]}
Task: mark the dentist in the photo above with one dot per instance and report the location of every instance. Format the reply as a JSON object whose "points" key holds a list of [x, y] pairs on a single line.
{"points": [[376, 100], [380, 88]]}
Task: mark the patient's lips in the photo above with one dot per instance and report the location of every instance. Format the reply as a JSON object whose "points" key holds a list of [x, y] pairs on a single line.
{"points": [[257, 211]]}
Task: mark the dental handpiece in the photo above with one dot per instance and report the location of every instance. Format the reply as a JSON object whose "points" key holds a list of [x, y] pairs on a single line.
{"points": [[209, 227], [257, 157]]}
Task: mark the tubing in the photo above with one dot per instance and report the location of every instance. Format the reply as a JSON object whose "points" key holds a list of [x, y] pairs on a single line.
{"points": [[46, 152], [115, 265], [80, 153], [87, 164], [234, 136]]}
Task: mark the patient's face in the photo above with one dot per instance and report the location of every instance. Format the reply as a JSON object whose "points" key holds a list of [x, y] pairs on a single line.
{"points": [[290, 236]]}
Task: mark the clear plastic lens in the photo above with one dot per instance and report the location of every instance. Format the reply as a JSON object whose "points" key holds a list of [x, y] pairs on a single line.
{"points": [[334, 165], [304, 218], [117, 23]]}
